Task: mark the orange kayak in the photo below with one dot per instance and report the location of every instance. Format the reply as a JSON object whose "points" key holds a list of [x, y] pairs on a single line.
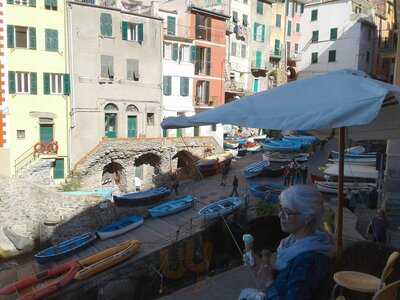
{"points": [[106, 259]]}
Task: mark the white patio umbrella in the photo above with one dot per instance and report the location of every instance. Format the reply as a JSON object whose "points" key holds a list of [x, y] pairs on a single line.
{"points": [[342, 99]]}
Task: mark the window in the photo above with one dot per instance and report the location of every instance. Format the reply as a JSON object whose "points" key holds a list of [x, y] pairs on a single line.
{"points": [[259, 32], [203, 27], [332, 56], [260, 7], [167, 85], [301, 8], [235, 17], [58, 171], [333, 36], [314, 15], [278, 21], [22, 82], [277, 48], [105, 25], [296, 48], [110, 120], [289, 28], [132, 32], [314, 57], [245, 20], [51, 40], [150, 119], [214, 127], [298, 27], [184, 87], [367, 57], [20, 2], [203, 61], [171, 25], [107, 67], [50, 4], [314, 38], [132, 69], [21, 37], [256, 85], [244, 51], [171, 51], [233, 48], [20, 134], [202, 92], [185, 54], [56, 83]]}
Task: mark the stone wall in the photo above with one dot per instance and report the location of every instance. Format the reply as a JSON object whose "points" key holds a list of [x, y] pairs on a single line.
{"points": [[38, 172], [126, 151]]}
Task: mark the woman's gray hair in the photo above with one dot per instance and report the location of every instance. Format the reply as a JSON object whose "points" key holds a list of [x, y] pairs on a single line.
{"points": [[306, 200]]}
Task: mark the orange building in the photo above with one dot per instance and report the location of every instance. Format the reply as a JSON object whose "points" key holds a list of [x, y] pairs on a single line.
{"points": [[208, 30]]}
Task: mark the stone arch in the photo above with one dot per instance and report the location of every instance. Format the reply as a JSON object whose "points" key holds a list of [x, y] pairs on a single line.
{"points": [[111, 107], [132, 109], [186, 167], [151, 159], [114, 174]]}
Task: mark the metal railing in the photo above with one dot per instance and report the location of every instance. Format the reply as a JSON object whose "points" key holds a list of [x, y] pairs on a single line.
{"points": [[256, 65], [275, 53], [233, 85]]}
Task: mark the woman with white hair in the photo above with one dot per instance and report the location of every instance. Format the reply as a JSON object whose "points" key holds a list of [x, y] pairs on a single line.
{"points": [[302, 261]]}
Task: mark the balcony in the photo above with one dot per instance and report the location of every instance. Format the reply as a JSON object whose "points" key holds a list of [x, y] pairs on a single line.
{"points": [[259, 68], [234, 86], [180, 33], [275, 54], [203, 102], [294, 57]]}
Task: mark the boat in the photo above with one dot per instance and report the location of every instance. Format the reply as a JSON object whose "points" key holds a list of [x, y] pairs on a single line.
{"points": [[255, 169], [257, 138], [335, 154], [276, 157], [274, 170], [172, 207], [230, 144], [119, 227], [279, 147], [65, 248], [142, 198], [352, 171], [220, 208], [355, 150], [213, 164], [252, 147], [307, 139], [242, 151], [368, 161], [331, 187], [106, 259], [262, 190]]}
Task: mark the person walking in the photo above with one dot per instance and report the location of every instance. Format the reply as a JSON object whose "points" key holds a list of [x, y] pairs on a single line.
{"points": [[235, 185], [224, 174], [379, 226]]}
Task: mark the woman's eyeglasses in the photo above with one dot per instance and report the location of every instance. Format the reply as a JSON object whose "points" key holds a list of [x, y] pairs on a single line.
{"points": [[285, 213]]}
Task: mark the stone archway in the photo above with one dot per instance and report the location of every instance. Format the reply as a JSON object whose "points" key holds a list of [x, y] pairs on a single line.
{"points": [[150, 167], [114, 174], [186, 167]]}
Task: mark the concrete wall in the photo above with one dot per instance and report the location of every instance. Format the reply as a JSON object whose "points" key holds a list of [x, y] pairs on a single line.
{"points": [[24, 110], [90, 96]]}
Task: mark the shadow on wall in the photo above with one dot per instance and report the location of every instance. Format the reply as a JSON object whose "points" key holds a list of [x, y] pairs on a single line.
{"points": [[114, 174]]}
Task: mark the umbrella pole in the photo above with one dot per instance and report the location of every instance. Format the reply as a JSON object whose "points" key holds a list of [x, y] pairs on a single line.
{"points": [[339, 219]]}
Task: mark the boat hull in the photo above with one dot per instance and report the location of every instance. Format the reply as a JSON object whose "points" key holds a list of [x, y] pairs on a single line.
{"points": [[220, 208], [120, 227], [178, 206], [142, 198]]}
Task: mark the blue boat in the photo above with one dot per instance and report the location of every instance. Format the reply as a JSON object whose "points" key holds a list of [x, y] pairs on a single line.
{"points": [[172, 207], [65, 248], [142, 198], [120, 227], [304, 138], [220, 208], [261, 191], [274, 147], [335, 154], [106, 193], [255, 169]]}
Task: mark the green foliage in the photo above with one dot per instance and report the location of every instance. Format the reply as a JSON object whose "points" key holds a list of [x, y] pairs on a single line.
{"points": [[265, 209], [72, 183]]}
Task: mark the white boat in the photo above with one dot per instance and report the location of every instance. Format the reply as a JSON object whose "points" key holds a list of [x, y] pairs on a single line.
{"points": [[331, 187], [257, 138], [355, 150], [356, 161], [220, 208], [352, 171]]}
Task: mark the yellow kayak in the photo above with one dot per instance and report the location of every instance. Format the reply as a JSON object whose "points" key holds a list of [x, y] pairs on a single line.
{"points": [[106, 259]]}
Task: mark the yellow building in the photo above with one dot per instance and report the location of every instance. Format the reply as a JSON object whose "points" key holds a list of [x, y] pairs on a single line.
{"points": [[38, 87], [277, 38]]}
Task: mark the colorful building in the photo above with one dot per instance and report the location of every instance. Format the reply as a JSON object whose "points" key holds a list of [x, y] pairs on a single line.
{"points": [[38, 88], [277, 75]]}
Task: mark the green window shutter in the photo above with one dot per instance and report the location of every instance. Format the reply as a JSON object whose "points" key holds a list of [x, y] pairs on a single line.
{"points": [[171, 25], [289, 28], [263, 33], [55, 40], [260, 9], [66, 84], [333, 34], [46, 83], [58, 169], [105, 24], [278, 21], [140, 33], [124, 30], [32, 38], [54, 4], [11, 82], [175, 52], [167, 85], [193, 53], [184, 86], [255, 31], [10, 1], [10, 36], [258, 59], [32, 3], [33, 83], [51, 37], [314, 15]]}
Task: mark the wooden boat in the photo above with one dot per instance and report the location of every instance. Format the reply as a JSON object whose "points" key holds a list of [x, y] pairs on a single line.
{"points": [[230, 144], [252, 147], [65, 248], [255, 169], [64, 274], [106, 259], [369, 161], [120, 227], [220, 208], [353, 171], [262, 190], [142, 198], [172, 207], [331, 187], [257, 138], [214, 164]]}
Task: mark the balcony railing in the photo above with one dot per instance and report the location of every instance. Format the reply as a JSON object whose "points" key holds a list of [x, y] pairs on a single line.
{"points": [[202, 67], [294, 56], [276, 53], [201, 101], [257, 65], [235, 86], [178, 32]]}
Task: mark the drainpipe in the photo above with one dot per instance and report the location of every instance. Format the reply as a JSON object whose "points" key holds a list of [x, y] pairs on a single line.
{"points": [[67, 104]]}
